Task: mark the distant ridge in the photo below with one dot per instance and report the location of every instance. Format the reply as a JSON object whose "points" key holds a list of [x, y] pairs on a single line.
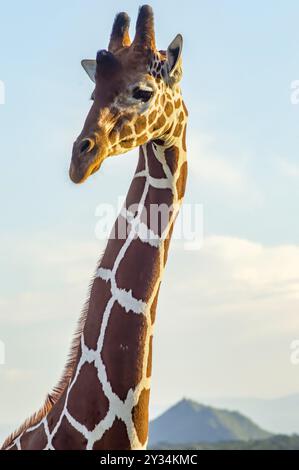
{"points": [[189, 421], [280, 415], [279, 442]]}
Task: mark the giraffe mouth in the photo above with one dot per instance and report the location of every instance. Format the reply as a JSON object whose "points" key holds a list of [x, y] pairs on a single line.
{"points": [[91, 169], [96, 168], [80, 173]]}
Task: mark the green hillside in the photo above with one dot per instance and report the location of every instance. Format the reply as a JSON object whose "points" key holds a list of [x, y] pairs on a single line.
{"points": [[188, 421]]}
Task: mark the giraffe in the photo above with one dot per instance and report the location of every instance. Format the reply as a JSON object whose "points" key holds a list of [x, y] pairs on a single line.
{"points": [[102, 399]]}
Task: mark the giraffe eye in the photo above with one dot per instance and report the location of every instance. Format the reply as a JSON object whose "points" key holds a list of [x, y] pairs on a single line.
{"points": [[142, 95]]}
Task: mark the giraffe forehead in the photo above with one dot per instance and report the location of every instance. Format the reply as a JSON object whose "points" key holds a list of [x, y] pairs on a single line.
{"points": [[132, 66], [142, 62], [132, 61]]}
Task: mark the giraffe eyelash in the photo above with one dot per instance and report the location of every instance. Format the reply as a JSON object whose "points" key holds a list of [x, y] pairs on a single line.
{"points": [[142, 94]]}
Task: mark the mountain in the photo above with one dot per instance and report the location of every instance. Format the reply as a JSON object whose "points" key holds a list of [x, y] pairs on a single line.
{"points": [[272, 443], [189, 421], [279, 415]]}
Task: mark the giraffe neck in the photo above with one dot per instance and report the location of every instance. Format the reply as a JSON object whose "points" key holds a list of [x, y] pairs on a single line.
{"points": [[105, 404], [118, 333], [108, 398]]}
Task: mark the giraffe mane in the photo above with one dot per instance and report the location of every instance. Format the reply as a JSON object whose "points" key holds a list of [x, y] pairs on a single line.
{"points": [[57, 391]]}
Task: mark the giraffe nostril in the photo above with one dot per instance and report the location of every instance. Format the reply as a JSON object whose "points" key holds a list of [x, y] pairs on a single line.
{"points": [[86, 145]]}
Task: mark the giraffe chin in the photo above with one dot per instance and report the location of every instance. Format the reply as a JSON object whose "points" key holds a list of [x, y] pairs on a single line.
{"points": [[78, 177]]}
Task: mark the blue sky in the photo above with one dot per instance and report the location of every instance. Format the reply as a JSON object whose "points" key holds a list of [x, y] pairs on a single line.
{"points": [[239, 62]]}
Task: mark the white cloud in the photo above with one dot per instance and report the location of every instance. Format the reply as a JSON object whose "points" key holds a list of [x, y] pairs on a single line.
{"points": [[222, 173], [210, 166], [227, 316], [17, 376], [50, 279], [236, 276], [254, 264]]}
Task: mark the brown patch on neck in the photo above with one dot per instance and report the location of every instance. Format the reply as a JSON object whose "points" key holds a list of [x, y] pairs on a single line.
{"points": [[139, 269], [154, 306], [178, 103], [172, 155], [87, 402], [135, 192], [181, 182], [178, 130], [123, 349], [155, 167], [185, 109], [99, 297], [116, 241], [140, 416], [181, 116], [167, 243], [55, 413], [141, 161], [184, 139], [159, 208], [34, 440], [149, 359], [115, 438], [68, 438]]}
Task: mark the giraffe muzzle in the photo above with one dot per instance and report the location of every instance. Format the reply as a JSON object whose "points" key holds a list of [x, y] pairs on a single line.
{"points": [[85, 160]]}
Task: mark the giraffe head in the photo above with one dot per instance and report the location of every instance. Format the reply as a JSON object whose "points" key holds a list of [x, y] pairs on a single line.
{"points": [[136, 97]]}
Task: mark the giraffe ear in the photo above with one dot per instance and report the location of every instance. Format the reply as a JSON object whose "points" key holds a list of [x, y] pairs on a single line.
{"points": [[174, 53], [90, 66]]}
